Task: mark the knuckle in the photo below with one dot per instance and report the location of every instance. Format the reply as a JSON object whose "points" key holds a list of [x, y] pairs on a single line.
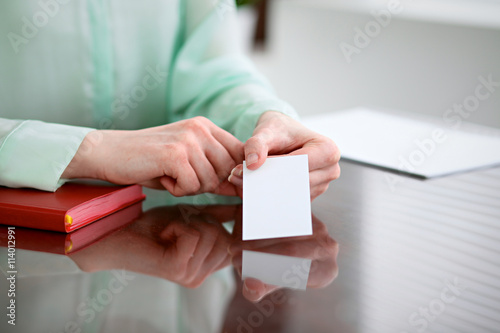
{"points": [[319, 227], [211, 185], [178, 192], [338, 172], [328, 247], [193, 284], [193, 123], [180, 273], [201, 120], [318, 190], [333, 246], [194, 188], [256, 141], [174, 151], [224, 173], [199, 123], [185, 136], [334, 173], [189, 187], [332, 153]]}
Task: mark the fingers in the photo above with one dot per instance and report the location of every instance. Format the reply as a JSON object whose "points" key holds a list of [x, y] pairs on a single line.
{"points": [[257, 147], [185, 241], [324, 175], [205, 171], [322, 153], [318, 190], [211, 152], [209, 255], [236, 176], [320, 179], [233, 146], [200, 159], [183, 181], [323, 272], [202, 251], [254, 290], [220, 159], [228, 189], [217, 259]]}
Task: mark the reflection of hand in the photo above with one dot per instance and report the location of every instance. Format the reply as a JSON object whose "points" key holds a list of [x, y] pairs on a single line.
{"points": [[319, 247], [277, 134], [161, 243], [186, 157]]}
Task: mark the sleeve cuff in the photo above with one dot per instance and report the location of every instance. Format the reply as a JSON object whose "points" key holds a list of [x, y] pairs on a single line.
{"points": [[35, 154]]}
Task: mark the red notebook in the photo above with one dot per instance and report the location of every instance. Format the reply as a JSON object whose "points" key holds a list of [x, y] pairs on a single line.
{"points": [[72, 206], [61, 243]]}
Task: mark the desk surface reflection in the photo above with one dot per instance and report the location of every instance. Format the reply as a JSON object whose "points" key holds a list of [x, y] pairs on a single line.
{"points": [[388, 254]]}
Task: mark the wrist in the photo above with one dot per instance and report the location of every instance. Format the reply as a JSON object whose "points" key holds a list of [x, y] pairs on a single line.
{"points": [[84, 162]]}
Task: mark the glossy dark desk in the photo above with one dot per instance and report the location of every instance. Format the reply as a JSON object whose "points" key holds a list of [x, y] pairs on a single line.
{"points": [[414, 256]]}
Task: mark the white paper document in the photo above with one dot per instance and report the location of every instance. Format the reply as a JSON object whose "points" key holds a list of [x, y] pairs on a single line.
{"points": [[276, 199], [277, 270], [426, 148]]}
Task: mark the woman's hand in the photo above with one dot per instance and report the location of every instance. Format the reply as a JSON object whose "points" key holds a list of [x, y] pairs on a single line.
{"points": [[320, 247], [278, 134], [187, 157], [166, 243]]}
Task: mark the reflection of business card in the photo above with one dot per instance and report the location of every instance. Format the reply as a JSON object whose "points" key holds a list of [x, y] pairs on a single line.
{"points": [[276, 199], [274, 269]]}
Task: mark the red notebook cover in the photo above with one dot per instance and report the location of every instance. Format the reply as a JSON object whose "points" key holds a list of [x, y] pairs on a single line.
{"points": [[72, 206], [62, 243]]}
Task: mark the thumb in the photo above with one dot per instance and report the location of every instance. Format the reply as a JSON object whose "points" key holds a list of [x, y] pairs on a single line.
{"points": [[256, 150]]}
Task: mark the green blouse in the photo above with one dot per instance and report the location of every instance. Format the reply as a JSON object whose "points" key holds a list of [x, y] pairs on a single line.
{"points": [[70, 66]]}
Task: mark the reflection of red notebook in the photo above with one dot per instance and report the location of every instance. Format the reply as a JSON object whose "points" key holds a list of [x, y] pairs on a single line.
{"points": [[72, 206], [61, 243]]}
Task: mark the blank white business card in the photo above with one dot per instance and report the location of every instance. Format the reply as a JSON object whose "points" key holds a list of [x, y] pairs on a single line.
{"points": [[276, 199], [275, 269]]}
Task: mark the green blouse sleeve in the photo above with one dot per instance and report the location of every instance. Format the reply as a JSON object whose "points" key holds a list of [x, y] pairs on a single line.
{"points": [[209, 75], [35, 154]]}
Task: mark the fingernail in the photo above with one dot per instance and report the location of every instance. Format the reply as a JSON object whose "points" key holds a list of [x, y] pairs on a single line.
{"points": [[252, 292], [236, 172], [229, 178], [252, 158]]}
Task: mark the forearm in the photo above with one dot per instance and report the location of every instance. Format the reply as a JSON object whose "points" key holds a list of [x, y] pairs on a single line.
{"points": [[85, 162]]}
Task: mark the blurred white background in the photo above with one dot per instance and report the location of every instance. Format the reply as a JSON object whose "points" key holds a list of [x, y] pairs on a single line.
{"points": [[426, 58]]}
